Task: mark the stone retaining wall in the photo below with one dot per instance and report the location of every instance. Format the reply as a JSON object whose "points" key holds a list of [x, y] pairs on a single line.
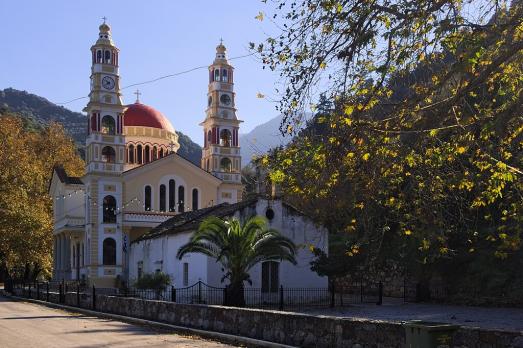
{"points": [[282, 327]]}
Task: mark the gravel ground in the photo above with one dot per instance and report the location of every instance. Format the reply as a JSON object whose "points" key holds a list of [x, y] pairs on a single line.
{"points": [[393, 310]]}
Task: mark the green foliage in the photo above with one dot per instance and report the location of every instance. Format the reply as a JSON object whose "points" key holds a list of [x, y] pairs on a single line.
{"points": [[153, 281], [239, 247], [415, 152]]}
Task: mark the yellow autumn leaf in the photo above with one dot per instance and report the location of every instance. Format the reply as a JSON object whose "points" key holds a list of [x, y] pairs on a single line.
{"points": [[407, 232], [366, 156], [260, 16]]}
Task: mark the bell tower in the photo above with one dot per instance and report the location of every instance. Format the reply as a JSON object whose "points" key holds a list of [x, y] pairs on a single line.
{"points": [[105, 158], [221, 150]]}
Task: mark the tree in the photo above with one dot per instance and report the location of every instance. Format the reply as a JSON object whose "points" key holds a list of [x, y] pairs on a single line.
{"points": [[419, 158], [27, 156], [157, 281], [239, 247]]}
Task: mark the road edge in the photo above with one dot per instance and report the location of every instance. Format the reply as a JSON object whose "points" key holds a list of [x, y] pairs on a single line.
{"points": [[218, 336]]}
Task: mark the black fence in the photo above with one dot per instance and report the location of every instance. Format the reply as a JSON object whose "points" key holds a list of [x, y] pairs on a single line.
{"points": [[201, 293]]}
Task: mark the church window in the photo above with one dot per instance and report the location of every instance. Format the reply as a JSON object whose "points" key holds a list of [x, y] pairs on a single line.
{"points": [[181, 199], [226, 165], [172, 185], [270, 276], [109, 252], [99, 56], [209, 101], [139, 154], [224, 76], [109, 209], [107, 57], [108, 154], [161, 152], [108, 126], [147, 154], [216, 74], [208, 165], [185, 274], [225, 137], [209, 137], [162, 197], [194, 199], [130, 157], [147, 198], [155, 153]]}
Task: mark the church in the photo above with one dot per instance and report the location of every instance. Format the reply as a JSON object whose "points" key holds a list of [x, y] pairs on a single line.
{"points": [[137, 189]]}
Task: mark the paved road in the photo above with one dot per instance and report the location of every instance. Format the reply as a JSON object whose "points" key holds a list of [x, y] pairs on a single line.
{"points": [[28, 325]]}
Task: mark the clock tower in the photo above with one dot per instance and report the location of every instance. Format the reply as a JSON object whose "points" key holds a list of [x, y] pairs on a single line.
{"points": [[105, 158], [221, 150]]}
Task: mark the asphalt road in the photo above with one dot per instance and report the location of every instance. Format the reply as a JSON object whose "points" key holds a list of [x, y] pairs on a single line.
{"points": [[25, 324]]}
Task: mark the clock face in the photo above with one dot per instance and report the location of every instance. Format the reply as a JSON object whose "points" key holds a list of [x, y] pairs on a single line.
{"points": [[108, 82], [225, 99]]}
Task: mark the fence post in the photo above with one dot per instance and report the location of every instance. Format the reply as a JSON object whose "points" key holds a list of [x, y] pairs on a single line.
{"points": [[29, 291], [94, 298], [199, 291], [78, 294], [225, 296], [173, 293], [361, 291], [37, 290], [47, 292], [332, 294], [380, 294], [60, 291], [281, 297]]}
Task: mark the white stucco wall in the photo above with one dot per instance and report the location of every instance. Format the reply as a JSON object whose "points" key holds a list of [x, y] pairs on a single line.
{"points": [[160, 253]]}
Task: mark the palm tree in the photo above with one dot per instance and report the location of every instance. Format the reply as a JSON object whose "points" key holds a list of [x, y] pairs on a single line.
{"points": [[238, 248]]}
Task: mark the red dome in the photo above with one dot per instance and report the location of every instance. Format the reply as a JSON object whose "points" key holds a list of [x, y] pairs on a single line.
{"points": [[138, 114]]}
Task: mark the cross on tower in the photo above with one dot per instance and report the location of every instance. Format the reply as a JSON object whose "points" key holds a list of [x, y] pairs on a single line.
{"points": [[221, 41], [104, 18], [138, 94]]}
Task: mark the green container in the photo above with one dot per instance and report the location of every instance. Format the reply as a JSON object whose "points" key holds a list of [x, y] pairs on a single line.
{"points": [[426, 334]]}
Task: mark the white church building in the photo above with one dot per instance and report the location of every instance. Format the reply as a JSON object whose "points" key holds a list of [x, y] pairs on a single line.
{"points": [[139, 200]]}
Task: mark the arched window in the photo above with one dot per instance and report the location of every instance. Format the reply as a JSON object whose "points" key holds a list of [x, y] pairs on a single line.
{"points": [[225, 137], [172, 185], [216, 74], [194, 199], [161, 152], [130, 157], [99, 56], [107, 57], [147, 198], [162, 197], [139, 154], [226, 165], [108, 154], [108, 126], [208, 165], [109, 252], [209, 137], [109, 209], [147, 154], [181, 199], [155, 153], [224, 75]]}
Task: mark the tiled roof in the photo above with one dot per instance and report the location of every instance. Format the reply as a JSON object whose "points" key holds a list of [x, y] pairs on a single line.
{"points": [[189, 221], [70, 180]]}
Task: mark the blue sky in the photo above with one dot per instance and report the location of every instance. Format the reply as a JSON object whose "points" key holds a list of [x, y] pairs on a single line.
{"points": [[46, 52]]}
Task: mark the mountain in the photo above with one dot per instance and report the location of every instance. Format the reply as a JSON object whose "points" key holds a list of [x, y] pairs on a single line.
{"points": [[189, 149], [263, 138], [41, 112]]}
